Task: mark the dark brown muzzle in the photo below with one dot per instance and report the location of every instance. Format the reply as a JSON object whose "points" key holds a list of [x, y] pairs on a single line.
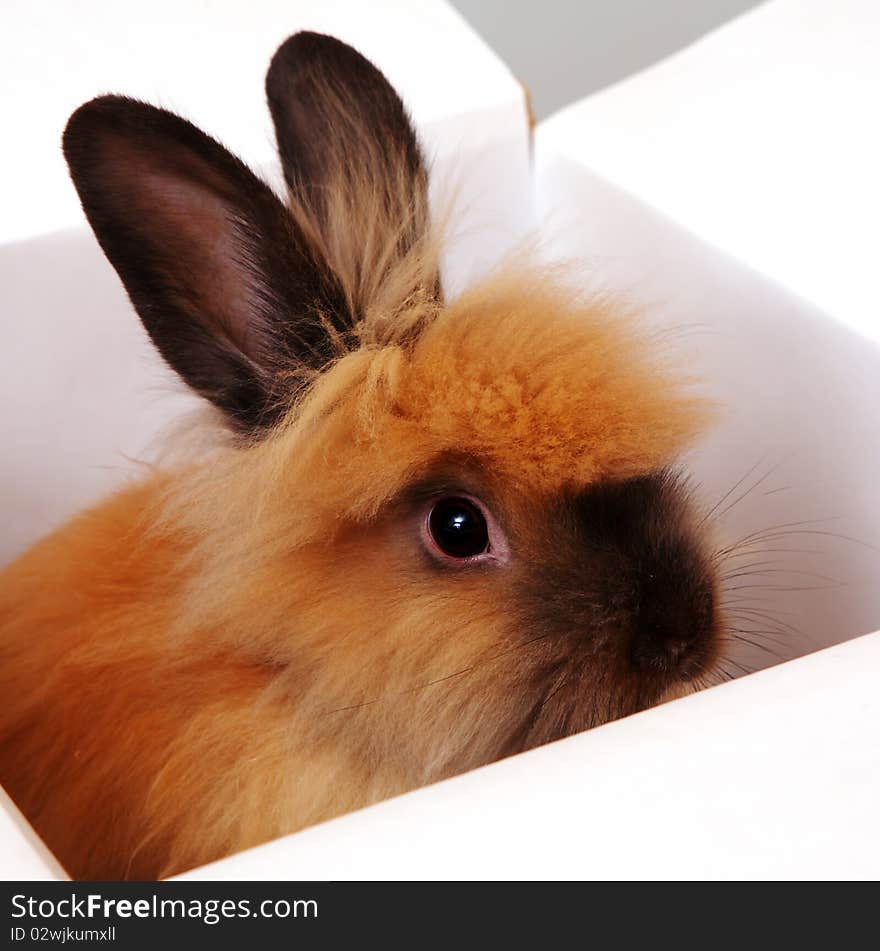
{"points": [[657, 578]]}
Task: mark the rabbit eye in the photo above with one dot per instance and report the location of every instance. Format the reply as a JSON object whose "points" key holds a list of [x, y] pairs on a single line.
{"points": [[458, 528]]}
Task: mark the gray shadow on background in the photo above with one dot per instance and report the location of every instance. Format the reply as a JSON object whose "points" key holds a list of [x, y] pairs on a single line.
{"points": [[564, 50]]}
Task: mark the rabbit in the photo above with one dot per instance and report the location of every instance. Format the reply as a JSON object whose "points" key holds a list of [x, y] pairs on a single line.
{"points": [[437, 533]]}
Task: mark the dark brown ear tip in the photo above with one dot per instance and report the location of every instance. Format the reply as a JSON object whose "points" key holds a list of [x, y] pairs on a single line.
{"points": [[88, 118], [307, 49], [114, 116], [304, 45], [97, 127]]}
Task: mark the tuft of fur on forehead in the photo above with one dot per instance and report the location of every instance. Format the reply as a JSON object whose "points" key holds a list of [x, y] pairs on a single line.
{"points": [[552, 390], [536, 384]]}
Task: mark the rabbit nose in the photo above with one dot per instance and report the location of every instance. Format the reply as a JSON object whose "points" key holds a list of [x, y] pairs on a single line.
{"points": [[671, 623], [656, 649]]}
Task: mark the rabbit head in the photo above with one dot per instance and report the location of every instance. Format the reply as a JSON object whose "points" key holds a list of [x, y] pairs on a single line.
{"points": [[452, 527]]}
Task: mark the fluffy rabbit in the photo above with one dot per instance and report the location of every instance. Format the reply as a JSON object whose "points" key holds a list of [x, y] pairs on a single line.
{"points": [[440, 533]]}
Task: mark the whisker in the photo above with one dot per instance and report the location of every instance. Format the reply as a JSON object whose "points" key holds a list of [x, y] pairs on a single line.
{"points": [[782, 488], [730, 491], [781, 571], [748, 552], [764, 617], [740, 636], [783, 588], [748, 491], [776, 637], [771, 532]]}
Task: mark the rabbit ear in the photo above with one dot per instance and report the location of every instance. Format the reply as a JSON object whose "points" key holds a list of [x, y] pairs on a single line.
{"points": [[349, 153], [226, 284]]}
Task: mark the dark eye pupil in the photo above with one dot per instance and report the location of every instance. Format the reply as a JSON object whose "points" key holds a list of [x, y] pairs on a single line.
{"points": [[458, 528]]}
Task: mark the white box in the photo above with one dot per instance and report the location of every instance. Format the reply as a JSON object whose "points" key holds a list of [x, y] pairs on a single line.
{"points": [[775, 775]]}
